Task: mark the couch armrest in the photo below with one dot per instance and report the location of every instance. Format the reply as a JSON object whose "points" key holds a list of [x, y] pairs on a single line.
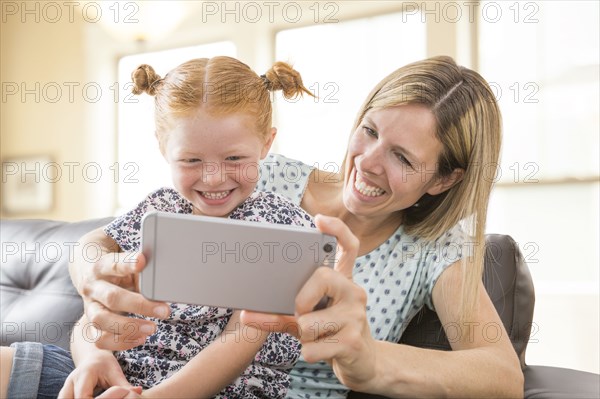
{"points": [[560, 383], [542, 382]]}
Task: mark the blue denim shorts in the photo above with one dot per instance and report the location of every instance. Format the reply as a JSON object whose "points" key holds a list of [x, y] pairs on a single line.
{"points": [[38, 371]]}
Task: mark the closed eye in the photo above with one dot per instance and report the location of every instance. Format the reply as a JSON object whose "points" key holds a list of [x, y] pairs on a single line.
{"points": [[233, 158], [370, 132], [191, 160], [403, 159]]}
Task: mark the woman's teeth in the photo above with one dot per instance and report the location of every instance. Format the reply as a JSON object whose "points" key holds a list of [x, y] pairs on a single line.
{"points": [[367, 190], [215, 195]]}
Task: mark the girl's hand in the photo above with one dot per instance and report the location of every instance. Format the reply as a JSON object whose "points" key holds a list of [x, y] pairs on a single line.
{"points": [[121, 393], [340, 333], [102, 370]]}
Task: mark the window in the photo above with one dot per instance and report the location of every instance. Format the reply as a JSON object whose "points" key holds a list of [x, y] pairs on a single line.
{"points": [[140, 161], [541, 59], [340, 63]]}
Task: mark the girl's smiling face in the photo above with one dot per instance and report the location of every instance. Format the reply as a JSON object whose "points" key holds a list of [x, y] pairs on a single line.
{"points": [[392, 161], [214, 159]]}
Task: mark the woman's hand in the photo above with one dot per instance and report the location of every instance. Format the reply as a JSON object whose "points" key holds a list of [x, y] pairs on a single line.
{"points": [[340, 333], [99, 371], [108, 287]]}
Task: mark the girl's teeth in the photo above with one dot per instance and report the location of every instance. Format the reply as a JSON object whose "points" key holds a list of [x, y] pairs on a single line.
{"points": [[215, 196], [367, 190]]}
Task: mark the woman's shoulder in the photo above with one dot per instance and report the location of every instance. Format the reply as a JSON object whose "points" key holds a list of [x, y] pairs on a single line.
{"points": [[285, 176], [454, 237], [449, 245], [435, 255], [274, 159], [277, 168]]}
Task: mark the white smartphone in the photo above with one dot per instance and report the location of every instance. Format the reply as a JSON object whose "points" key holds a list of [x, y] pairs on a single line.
{"points": [[229, 263]]}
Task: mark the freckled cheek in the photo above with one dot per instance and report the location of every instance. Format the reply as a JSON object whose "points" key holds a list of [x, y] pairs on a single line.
{"points": [[183, 176], [247, 173]]}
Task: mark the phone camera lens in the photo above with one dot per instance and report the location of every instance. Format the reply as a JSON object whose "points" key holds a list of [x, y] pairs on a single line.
{"points": [[328, 248]]}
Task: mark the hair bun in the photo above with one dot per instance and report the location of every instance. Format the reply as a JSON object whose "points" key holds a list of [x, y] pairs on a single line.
{"points": [[145, 79], [283, 77]]}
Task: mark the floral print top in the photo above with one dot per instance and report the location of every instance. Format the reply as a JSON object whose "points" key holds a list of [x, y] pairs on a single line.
{"points": [[191, 328]]}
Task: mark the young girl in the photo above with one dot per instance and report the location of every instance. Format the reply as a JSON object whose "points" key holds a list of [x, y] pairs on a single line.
{"points": [[213, 124]]}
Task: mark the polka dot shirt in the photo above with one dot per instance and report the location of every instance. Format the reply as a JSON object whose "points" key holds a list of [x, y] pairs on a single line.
{"points": [[398, 277]]}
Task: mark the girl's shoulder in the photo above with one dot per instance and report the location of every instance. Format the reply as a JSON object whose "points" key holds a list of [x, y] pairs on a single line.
{"points": [[167, 199], [271, 207], [125, 229]]}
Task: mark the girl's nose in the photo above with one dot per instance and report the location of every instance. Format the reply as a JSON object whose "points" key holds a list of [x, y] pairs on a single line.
{"points": [[212, 174]]}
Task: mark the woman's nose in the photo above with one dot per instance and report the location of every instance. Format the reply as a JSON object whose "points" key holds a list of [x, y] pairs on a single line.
{"points": [[371, 160]]}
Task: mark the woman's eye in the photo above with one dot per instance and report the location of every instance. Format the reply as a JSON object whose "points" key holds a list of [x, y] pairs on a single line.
{"points": [[403, 159], [370, 132]]}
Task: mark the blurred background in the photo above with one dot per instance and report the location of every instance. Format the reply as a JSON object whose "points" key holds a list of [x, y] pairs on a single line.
{"points": [[75, 143]]}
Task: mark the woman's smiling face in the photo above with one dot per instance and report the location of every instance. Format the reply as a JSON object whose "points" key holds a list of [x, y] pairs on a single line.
{"points": [[392, 161]]}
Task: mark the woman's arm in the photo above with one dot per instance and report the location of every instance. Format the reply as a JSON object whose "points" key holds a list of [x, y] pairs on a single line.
{"points": [[476, 367], [95, 368], [108, 286], [481, 363], [216, 366]]}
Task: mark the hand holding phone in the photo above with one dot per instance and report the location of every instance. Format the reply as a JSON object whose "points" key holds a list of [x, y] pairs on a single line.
{"points": [[229, 263]]}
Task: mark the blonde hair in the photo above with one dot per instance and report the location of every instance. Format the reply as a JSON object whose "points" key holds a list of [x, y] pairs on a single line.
{"points": [[468, 124], [219, 85]]}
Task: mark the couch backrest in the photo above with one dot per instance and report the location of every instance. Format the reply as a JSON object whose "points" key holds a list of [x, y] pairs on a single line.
{"points": [[509, 284], [37, 300]]}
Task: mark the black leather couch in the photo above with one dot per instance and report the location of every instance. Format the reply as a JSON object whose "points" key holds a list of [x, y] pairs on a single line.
{"points": [[39, 303]]}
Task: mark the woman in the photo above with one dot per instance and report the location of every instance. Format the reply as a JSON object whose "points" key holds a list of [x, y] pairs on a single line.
{"points": [[416, 172], [414, 195]]}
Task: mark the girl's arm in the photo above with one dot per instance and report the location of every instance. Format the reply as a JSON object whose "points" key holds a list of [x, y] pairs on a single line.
{"points": [[215, 367]]}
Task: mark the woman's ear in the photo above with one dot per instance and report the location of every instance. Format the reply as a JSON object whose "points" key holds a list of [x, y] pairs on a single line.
{"points": [[268, 143], [444, 183]]}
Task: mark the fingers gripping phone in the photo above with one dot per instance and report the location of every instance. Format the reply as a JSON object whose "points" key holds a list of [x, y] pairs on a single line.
{"points": [[229, 263]]}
